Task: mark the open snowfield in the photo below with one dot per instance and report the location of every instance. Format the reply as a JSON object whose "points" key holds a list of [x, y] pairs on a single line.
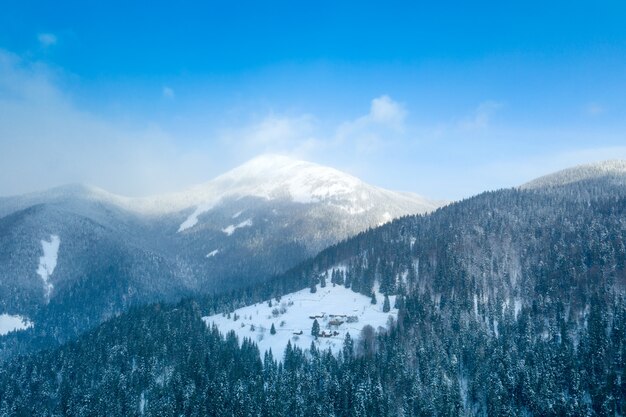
{"points": [[9, 322], [293, 314], [48, 262]]}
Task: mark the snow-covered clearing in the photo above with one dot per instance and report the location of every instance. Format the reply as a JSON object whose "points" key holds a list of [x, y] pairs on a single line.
{"points": [[10, 322], [229, 230], [339, 310], [48, 262]]}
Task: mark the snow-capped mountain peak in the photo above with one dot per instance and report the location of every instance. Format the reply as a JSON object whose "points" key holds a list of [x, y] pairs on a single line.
{"points": [[278, 177], [267, 177]]}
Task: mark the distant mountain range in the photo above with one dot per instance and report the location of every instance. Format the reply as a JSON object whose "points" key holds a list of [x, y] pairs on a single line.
{"points": [[74, 243], [511, 302]]}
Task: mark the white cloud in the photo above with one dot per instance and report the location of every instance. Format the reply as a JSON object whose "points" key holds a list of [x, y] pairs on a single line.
{"points": [[385, 120], [276, 131], [481, 117], [168, 92], [293, 135], [303, 136], [47, 39], [387, 112], [45, 141], [384, 112]]}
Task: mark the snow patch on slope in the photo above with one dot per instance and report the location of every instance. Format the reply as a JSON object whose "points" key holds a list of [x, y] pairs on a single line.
{"points": [[192, 220], [48, 262], [292, 315], [229, 230], [9, 323]]}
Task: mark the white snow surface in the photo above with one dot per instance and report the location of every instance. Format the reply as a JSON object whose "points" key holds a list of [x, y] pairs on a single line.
{"points": [[9, 322], [293, 316], [48, 262], [212, 253], [229, 230], [387, 217], [279, 177], [142, 403], [269, 177], [192, 220]]}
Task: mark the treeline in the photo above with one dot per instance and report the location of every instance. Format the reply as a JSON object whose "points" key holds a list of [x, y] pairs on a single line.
{"points": [[163, 360], [512, 303]]}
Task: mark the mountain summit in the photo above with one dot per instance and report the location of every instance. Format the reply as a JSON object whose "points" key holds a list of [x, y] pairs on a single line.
{"points": [[277, 177], [75, 243]]}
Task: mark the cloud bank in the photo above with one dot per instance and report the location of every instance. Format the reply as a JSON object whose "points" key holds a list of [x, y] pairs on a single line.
{"points": [[45, 141]]}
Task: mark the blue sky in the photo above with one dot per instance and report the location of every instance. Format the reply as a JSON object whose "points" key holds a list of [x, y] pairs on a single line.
{"points": [[445, 99]]}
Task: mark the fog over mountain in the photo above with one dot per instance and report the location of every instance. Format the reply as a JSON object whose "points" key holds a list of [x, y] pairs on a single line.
{"points": [[512, 302], [75, 243]]}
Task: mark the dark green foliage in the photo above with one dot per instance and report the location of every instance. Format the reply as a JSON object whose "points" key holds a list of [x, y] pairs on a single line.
{"points": [[315, 329], [511, 303], [386, 304]]}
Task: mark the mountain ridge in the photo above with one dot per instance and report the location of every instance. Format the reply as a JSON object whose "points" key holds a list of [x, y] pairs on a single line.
{"points": [[255, 221], [613, 167], [510, 302]]}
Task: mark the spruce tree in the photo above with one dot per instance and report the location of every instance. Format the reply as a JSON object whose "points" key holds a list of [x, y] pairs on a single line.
{"points": [[348, 348], [339, 278], [273, 329], [386, 304], [315, 329]]}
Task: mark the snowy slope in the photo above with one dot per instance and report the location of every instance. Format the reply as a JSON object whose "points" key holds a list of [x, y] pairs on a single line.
{"points": [[269, 177], [614, 168], [275, 177], [9, 323], [251, 223], [293, 313], [48, 262]]}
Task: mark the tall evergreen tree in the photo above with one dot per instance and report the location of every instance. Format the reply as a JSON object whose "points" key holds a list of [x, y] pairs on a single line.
{"points": [[315, 329], [386, 304]]}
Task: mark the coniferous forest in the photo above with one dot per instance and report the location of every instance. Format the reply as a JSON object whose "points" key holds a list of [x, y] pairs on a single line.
{"points": [[511, 303], [312, 209]]}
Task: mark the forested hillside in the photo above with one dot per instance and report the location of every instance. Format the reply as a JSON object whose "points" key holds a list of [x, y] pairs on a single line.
{"points": [[243, 227], [510, 303]]}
